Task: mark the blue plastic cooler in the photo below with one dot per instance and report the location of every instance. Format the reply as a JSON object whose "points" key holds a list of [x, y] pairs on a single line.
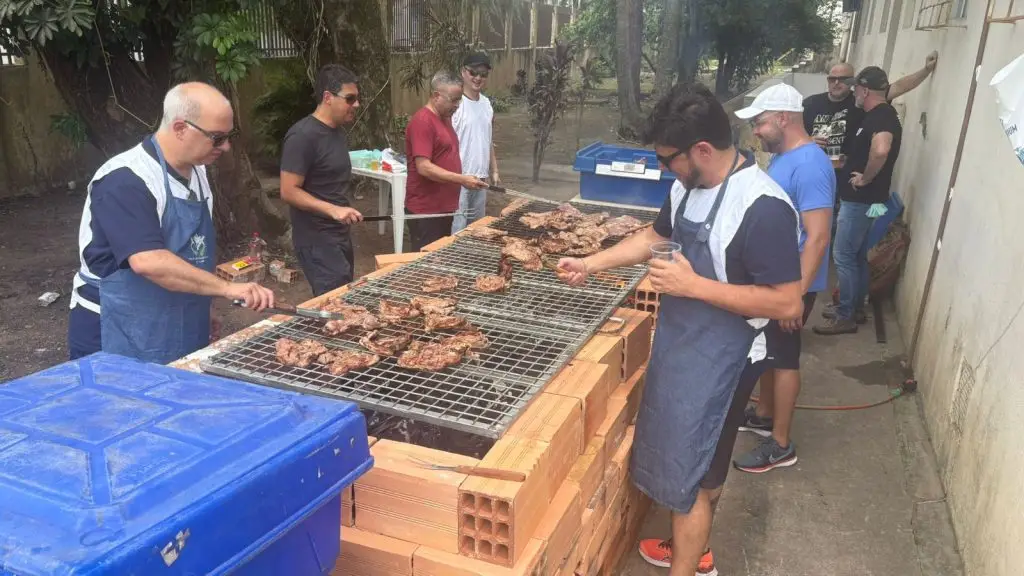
{"points": [[610, 173], [112, 466]]}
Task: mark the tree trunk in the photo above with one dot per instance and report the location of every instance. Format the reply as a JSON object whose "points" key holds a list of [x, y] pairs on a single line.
{"points": [[693, 44], [668, 50], [629, 29], [538, 158], [722, 75]]}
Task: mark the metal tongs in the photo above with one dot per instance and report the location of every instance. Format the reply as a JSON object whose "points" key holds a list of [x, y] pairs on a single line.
{"points": [[483, 472], [289, 310]]}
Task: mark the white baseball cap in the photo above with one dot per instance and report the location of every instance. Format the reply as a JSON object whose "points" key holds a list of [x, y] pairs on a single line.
{"points": [[776, 98]]}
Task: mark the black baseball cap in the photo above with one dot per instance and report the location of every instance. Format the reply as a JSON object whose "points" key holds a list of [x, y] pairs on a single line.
{"points": [[872, 78], [474, 59]]}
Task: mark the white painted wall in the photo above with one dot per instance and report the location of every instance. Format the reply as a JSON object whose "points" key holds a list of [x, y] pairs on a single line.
{"points": [[977, 289]]}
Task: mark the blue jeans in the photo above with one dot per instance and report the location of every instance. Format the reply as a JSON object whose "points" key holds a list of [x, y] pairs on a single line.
{"points": [[851, 255], [474, 204]]}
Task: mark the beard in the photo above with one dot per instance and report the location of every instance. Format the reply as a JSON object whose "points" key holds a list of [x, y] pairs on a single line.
{"points": [[693, 178]]}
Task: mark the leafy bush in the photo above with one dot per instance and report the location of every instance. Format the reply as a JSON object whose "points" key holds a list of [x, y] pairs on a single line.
{"points": [[501, 104], [70, 126], [276, 110]]}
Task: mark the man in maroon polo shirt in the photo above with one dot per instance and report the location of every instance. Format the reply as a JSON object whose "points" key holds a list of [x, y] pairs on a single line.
{"points": [[435, 170]]}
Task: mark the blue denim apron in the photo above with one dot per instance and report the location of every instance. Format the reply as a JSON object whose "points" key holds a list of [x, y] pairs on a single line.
{"points": [[142, 320], [697, 356]]}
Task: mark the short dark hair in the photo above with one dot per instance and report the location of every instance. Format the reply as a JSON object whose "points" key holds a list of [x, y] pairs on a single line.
{"points": [[688, 114], [331, 78]]}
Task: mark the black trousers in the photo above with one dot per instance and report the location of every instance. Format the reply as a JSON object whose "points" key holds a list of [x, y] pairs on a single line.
{"points": [[427, 230], [328, 265]]}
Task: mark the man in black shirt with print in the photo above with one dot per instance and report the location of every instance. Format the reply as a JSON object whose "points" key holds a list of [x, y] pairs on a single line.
{"points": [[315, 176], [868, 175]]}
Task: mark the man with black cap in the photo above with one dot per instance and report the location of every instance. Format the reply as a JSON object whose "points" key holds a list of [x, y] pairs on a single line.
{"points": [[473, 122], [868, 170]]}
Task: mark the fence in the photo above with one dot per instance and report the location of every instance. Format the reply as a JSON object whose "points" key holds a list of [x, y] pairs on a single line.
{"points": [[271, 40]]}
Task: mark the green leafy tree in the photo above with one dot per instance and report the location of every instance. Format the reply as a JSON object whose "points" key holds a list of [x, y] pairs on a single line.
{"points": [[549, 97], [112, 62]]}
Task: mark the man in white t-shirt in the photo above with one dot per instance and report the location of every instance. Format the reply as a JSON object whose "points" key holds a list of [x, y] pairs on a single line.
{"points": [[473, 123]]}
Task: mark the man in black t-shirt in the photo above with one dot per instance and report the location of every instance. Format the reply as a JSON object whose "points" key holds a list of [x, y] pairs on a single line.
{"points": [[315, 175], [868, 172]]}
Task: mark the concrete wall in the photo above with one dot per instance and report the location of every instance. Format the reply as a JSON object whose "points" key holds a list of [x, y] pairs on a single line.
{"points": [[32, 158], [967, 355]]}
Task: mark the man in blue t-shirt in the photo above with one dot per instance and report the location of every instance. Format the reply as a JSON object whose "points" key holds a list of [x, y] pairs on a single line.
{"points": [[805, 172]]}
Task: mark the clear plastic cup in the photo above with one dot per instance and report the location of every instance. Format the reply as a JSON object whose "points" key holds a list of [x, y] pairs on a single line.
{"points": [[664, 250]]}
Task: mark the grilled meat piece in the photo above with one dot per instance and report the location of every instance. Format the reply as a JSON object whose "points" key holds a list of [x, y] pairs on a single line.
{"points": [[439, 284], [394, 312], [558, 243], [590, 232], [485, 233], [505, 268], [430, 357], [298, 354], [585, 247], [562, 218], [491, 284], [466, 340], [567, 210], [622, 225], [385, 345], [521, 250], [357, 317], [429, 305], [339, 362], [535, 219], [435, 322], [337, 305], [514, 205], [592, 219]]}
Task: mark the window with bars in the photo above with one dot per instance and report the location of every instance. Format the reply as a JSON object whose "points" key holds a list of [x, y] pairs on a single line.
{"points": [[937, 14], [884, 24], [909, 9], [10, 56]]}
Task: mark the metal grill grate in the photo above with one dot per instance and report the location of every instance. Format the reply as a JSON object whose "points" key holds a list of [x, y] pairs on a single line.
{"points": [[537, 297], [482, 396], [513, 226]]}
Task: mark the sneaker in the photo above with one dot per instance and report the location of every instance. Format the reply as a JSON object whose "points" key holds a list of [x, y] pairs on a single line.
{"points": [[756, 424], [659, 553], [834, 327], [829, 313], [768, 455]]}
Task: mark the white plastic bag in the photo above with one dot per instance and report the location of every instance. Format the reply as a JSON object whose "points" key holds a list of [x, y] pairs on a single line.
{"points": [[1009, 87]]}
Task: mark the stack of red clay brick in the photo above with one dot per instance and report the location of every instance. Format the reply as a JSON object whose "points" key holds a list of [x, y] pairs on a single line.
{"points": [[577, 512]]}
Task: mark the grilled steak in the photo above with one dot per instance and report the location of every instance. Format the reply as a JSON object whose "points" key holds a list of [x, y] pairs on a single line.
{"points": [[429, 305], [393, 312], [514, 205], [298, 354], [585, 247], [338, 305], [592, 219], [485, 233], [491, 284], [622, 225], [434, 322], [385, 345], [505, 268], [466, 340], [430, 357], [439, 284], [339, 362], [535, 219], [521, 250], [356, 317]]}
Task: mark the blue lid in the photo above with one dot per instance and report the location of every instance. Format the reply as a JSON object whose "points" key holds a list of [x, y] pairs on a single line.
{"points": [[588, 158], [109, 465]]}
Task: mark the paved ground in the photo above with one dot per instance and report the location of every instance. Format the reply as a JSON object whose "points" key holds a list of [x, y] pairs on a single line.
{"points": [[864, 498]]}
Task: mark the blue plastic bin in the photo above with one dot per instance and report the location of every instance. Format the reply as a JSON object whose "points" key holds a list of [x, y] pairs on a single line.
{"points": [[618, 186], [112, 466]]}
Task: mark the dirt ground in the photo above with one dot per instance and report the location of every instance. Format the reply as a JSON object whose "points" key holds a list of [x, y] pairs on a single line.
{"points": [[39, 241]]}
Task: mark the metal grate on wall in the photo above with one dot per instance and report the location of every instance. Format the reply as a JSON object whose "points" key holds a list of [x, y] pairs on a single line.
{"points": [[270, 39]]}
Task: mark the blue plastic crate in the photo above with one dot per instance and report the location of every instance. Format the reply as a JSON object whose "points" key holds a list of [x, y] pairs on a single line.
{"points": [[606, 176], [112, 466]]}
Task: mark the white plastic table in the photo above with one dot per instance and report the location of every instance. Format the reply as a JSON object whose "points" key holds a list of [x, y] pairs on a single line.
{"points": [[393, 185]]}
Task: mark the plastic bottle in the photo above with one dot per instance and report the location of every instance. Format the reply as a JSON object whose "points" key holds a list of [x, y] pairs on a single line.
{"points": [[255, 249]]}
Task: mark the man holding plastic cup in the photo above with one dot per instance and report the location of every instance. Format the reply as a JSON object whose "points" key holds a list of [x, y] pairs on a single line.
{"points": [[734, 265]]}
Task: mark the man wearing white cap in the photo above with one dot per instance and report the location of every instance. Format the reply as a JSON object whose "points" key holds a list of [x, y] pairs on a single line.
{"points": [[805, 172]]}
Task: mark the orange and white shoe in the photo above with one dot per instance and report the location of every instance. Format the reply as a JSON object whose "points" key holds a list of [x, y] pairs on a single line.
{"points": [[659, 553]]}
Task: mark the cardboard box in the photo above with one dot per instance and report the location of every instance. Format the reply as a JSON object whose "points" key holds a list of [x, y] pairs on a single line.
{"points": [[405, 500]]}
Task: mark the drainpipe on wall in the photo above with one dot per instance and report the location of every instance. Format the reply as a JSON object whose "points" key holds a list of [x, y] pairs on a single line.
{"points": [[847, 37], [937, 245]]}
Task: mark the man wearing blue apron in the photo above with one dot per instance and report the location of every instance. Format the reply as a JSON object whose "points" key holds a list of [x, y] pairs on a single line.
{"points": [[147, 241], [737, 266]]}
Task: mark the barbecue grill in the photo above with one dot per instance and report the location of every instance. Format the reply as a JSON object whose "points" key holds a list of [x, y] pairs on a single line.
{"points": [[534, 329], [514, 227]]}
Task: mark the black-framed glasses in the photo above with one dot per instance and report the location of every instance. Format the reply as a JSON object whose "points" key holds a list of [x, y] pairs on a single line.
{"points": [[666, 161], [217, 138], [349, 99], [833, 79], [481, 74]]}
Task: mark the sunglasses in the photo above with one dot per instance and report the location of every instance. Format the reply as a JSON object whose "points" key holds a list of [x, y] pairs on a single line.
{"points": [[217, 138], [349, 99], [833, 79], [475, 74], [666, 161]]}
